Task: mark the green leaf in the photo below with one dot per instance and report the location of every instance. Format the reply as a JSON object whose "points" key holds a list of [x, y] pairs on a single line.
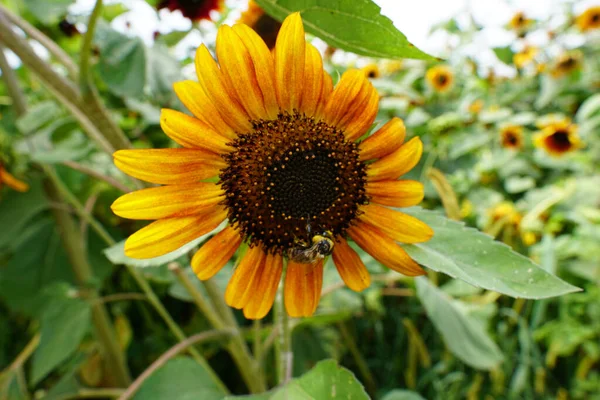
{"points": [[116, 253], [504, 54], [589, 107], [163, 71], [470, 255], [64, 323], [325, 381], [48, 12], [179, 379], [549, 90], [38, 116], [371, 33], [398, 394], [122, 63], [465, 338]]}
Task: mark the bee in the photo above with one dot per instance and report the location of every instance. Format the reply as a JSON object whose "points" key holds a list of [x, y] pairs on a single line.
{"points": [[320, 246]]}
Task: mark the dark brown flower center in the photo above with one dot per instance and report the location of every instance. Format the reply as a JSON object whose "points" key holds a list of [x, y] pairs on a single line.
{"points": [[442, 79], [595, 18], [288, 172], [560, 140]]}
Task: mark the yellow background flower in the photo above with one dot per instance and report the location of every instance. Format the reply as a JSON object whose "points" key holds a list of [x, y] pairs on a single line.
{"points": [[558, 137], [589, 19], [440, 78]]}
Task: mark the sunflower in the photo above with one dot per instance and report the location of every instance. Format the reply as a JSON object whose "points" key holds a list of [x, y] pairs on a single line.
{"points": [[558, 137], [196, 10], [371, 71], [589, 19], [266, 26], [511, 137], [440, 78], [519, 22], [566, 63], [525, 56], [476, 106], [274, 149], [9, 180]]}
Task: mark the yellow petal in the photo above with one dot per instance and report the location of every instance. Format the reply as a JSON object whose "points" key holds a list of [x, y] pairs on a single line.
{"points": [[383, 142], [191, 132], [302, 290], [215, 253], [263, 65], [384, 249], [211, 80], [360, 119], [166, 235], [238, 71], [11, 181], [397, 163], [195, 99], [259, 305], [289, 63], [313, 81], [169, 166], [326, 90], [350, 267], [395, 224], [403, 193], [168, 201], [242, 285]]}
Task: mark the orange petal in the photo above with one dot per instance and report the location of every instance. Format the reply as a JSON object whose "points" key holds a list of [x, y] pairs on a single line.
{"points": [[165, 235], [397, 163], [384, 249], [214, 254], [302, 290], [12, 182], [397, 225], [169, 166], [243, 284], [168, 201], [263, 65], [353, 104], [326, 90], [195, 99], [259, 305], [383, 142], [211, 80], [313, 81], [191, 132], [289, 63], [404, 193], [350, 266], [238, 71]]}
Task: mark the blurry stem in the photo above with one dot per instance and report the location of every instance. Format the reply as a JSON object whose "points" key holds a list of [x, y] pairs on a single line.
{"points": [[24, 355], [172, 352], [358, 359], [73, 244], [44, 40], [257, 349], [86, 49], [93, 394], [247, 365], [283, 345], [95, 174], [140, 280], [446, 193], [12, 85]]}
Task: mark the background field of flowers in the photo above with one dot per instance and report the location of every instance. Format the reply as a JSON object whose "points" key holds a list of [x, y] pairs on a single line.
{"points": [[512, 148]]}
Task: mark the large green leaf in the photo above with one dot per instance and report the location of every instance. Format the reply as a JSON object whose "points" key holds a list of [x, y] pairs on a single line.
{"points": [[463, 335], [180, 379], [122, 63], [398, 394], [470, 255], [64, 323], [49, 12], [352, 25], [326, 380]]}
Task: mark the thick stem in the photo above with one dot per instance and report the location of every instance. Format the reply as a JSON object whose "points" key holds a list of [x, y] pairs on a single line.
{"points": [[44, 40], [283, 345], [248, 366], [74, 245], [12, 85]]}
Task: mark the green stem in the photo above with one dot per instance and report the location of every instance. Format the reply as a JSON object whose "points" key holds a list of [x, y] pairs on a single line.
{"points": [[283, 344], [358, 359], [248, 366], [44, 40], [74, 246], [12, 85], [142, 283]]}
